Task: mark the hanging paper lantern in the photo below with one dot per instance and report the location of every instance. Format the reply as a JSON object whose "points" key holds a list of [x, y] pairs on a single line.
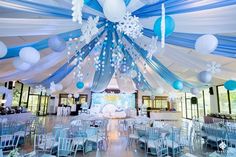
{"points": [[124, 68], [139, 85], [29, 55], [159, 91], [169, 28], [20, 65], [114, 10], [3, 49], [80, 85], [204, 77], [230, 85], [206, 44], [178, 85], [56, 43], [194, 91], [133, 74]]}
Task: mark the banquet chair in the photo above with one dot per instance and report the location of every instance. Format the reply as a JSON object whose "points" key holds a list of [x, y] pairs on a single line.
{"points": [[103, 132], [44, 143], [93, 136], [132, 135], [8, 142], [80, 138], [152, 134], [231, 137], [173, 142], [215, 135], [67, 147], [161, 147], [188, 141], [1, 153]]}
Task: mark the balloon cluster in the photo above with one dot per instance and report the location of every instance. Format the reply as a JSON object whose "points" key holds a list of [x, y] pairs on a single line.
{"points": [[55, 87], [56, 43], [80, 85], [206, 44], [230, 85], [178, 85]]}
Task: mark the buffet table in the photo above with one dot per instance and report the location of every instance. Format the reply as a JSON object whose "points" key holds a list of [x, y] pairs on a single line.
{"points": [[165, 115]]}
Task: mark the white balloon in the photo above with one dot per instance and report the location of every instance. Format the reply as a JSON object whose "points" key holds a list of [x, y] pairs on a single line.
{"points": [[29, 55], [159, 91], [3, 49], [21, 65], [206, 44], [133, 74], [114, 10]]}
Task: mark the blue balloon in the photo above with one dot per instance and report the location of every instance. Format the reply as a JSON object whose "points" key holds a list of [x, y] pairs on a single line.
{"points": [[56, 43], [178, 85], [170, 26], [230, 85], [80, 85]]}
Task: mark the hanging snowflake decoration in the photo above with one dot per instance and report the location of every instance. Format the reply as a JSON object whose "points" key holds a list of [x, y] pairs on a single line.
{"points": [[131, 26], [77, 6], [117, 57], [152, 47], [214, 67], [89, 29], [222, 145]]}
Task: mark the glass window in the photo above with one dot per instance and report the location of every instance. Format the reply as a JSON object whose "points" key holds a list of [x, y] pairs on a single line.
{"points": [[207, 99], [147, 101], [201, 105], [65, 100], [33, 103], [16, 94], [223, 100], [233, 101], [24, 97], [184, 106], [160, 102]]}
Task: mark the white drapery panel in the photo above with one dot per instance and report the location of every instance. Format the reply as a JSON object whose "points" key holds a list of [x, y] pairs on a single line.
{"points": [[212, 21], [29, 27], [44, 64], [125, 84]]}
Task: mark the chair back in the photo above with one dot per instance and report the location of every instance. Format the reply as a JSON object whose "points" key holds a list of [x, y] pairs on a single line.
{"points": [[153, 133], [161, 147], [67, 147], [1, 153], [44, 143], [8, 142]]}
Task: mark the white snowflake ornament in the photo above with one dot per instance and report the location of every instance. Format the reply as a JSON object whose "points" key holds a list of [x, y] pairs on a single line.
{"points": [[131, 26], [152, 47], [77, 6], [89, 29], [214, 67]]}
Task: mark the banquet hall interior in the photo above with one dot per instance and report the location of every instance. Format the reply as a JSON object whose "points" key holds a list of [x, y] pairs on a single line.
{"points": [[117, 78]]}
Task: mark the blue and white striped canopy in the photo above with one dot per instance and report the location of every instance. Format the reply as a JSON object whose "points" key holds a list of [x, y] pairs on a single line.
{"points": [[32, 22]]}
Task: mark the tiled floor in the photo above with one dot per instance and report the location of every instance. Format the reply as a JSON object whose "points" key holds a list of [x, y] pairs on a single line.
{"points": [[117, 140]]}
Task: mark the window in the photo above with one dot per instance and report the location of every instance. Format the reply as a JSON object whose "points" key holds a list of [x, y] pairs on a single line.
{"points": [[207, 101], [17, 94], [233, 101], [65, 100], [24, 96], [146, 100], [160, 102], [223, 100], [83, 98], [201, 105]]}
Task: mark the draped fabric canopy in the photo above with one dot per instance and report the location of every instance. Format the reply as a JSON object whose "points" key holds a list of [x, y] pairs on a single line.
{"points": [[32, 22]]}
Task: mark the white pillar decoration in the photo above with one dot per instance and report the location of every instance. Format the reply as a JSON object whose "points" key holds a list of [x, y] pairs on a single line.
{"points": [[163, 25]]}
